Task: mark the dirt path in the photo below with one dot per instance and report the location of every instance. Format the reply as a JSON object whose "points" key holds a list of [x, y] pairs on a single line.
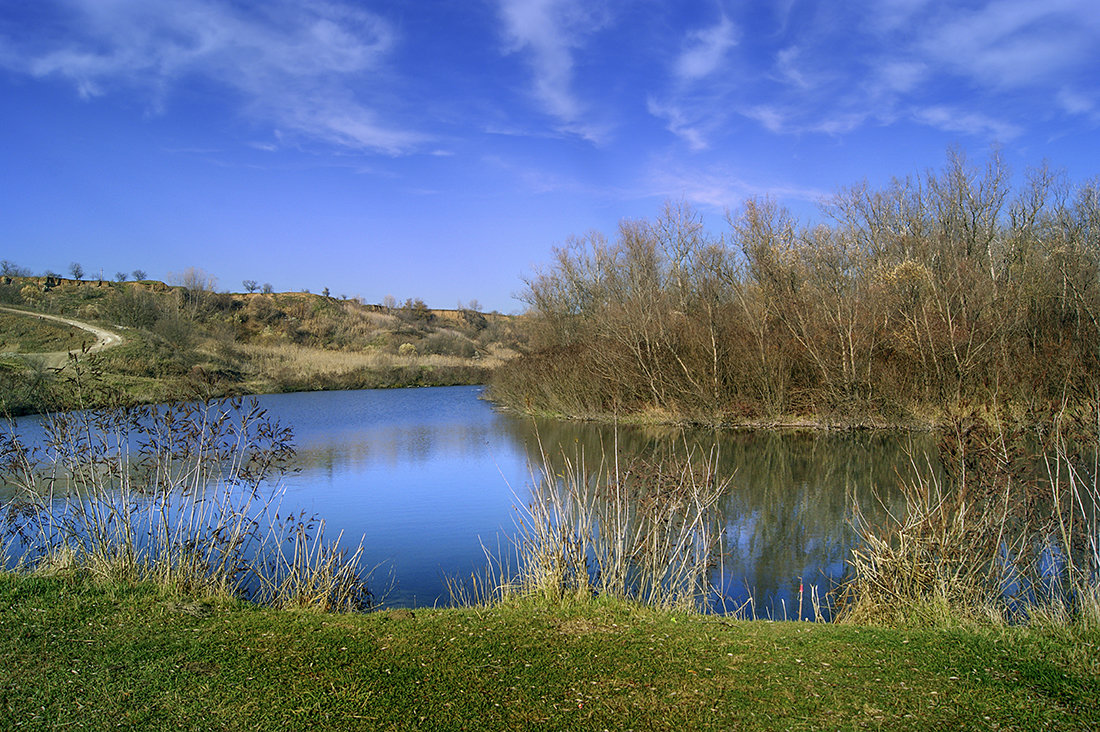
{"points": [[104, 338]]}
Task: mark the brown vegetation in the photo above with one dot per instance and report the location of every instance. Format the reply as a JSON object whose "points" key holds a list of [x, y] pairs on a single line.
{"points": [[939, 290], [1011, 534], [189, 337]]}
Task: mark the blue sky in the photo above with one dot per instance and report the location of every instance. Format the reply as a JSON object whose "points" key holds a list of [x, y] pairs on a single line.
{"points": [[440, 149]]}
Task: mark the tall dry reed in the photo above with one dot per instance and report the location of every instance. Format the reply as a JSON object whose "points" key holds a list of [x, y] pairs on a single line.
{"points": [[648, 531], [185, 495], [1013, 534]]}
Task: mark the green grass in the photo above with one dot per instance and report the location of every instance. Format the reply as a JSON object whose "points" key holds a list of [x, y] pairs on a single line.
{"points": [[81, 654], [28, 334]]}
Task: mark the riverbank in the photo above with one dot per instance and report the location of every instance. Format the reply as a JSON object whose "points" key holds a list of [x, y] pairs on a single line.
{"points": [[80, 653], [182, 344], [792, 423]]}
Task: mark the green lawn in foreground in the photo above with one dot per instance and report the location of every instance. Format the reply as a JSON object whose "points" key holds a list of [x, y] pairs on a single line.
{"points": [[84, 655]]}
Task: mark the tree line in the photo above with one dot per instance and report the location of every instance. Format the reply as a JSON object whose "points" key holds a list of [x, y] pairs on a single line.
{"points": [[946, 288]]}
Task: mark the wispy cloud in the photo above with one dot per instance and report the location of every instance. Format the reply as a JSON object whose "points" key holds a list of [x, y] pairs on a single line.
{"points": [[966, 70], [1012, 43], [719, 187], [678, 124], [688, 106], [1074, 102], [969, 123], [539, 180], [549, 32], [794, 120], [787, 64], [299, 67], [891, 15], [900, 76], [706, 49]]}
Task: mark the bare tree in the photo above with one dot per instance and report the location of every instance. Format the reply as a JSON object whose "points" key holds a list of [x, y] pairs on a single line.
{"points": [[121, 276], [11, 269], [138, 274], [250, 285], [193, 279], [76, 270]]}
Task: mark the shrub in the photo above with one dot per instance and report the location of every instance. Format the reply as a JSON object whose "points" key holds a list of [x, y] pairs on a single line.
{"points": [[448, 343], [133, 306]]}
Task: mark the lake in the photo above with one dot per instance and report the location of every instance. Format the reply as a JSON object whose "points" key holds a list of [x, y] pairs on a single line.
{"points": [[431, 477]]}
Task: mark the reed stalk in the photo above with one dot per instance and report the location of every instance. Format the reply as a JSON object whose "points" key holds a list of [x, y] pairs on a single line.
{"points": [[1003, 541], [184, 495], [648, 531]]}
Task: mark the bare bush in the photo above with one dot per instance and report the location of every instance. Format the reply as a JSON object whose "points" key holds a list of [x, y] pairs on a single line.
{"points": [[939, 290]]}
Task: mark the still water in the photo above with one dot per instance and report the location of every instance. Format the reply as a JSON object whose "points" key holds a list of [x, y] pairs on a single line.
{"points": [[429, 477]]}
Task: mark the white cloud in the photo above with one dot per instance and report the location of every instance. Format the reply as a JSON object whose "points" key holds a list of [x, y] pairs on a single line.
{"points": [[293, 65], [771, 118], [968, 69], [678, 124], [539, 180], [970, 123], [1074, 102], [890, 15], [706, 50], [549, 32], [692, 105], [793, 122], [787, 63], [902, 76], [720, 188], [1012, 43]]}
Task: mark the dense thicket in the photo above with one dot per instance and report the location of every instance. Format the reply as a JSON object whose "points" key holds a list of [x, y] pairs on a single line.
{"points": [[940, 289]]}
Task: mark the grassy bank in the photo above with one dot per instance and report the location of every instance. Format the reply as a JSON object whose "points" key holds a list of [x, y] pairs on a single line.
{"points": [[27, 334], [185, 342], [96, 655]]}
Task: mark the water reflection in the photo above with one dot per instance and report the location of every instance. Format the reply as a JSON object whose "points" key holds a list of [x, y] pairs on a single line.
{"points": [[432, 476], [788, 513]]}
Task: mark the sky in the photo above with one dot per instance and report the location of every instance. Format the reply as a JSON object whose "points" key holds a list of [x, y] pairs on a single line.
{"points": [[440, 149]]}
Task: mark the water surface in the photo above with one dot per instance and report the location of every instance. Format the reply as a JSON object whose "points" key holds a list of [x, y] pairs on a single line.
{"points": [[431, 477]]}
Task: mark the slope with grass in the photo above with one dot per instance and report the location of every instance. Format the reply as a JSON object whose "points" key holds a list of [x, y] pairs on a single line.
{"points": [[51, 338], [79, 653], [183, 342], [22, 333]]}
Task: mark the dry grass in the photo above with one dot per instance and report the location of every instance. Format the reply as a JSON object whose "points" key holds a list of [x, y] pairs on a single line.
{"points": [[1001, 543], [186, 496], [309, 362], [649, 531]]}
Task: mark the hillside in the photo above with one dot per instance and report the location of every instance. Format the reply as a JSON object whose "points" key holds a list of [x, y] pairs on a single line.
{"points": [[193, 341]]}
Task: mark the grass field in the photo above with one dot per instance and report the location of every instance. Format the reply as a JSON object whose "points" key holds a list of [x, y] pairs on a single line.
{"points": [[74, 653], [28, 334]]}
